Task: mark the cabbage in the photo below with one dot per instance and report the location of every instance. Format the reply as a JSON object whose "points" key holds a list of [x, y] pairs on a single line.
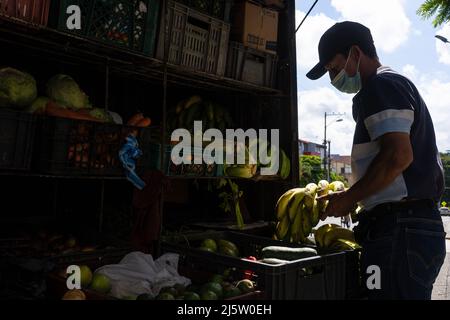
{"points": [[101, 114], [39, 105], [65, 91], [17, 88]]}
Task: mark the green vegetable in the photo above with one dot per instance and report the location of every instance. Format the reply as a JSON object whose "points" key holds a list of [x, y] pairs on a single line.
{"points": [[66, 92], [286, 253], [17, 89]]}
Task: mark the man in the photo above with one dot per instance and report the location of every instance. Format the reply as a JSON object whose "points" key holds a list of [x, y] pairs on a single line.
{"points": [[396, 164]]}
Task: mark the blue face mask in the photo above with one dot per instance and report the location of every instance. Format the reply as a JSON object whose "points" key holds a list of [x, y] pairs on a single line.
{"points": [[344, 83]]}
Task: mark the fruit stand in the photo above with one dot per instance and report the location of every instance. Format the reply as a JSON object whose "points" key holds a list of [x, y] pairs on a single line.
{"points": [[72, 100]]}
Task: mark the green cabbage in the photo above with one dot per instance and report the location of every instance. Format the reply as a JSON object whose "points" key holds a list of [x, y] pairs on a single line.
{"points": [[17, 89], [39, 105], [101, 114], [65, 91]]}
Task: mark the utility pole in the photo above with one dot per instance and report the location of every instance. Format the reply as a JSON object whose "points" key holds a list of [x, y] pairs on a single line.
{"points": [[329, 160], [326, 156]]}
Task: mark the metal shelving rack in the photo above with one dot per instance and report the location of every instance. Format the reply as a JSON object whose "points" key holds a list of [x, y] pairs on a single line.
{"points": [[68, 48]]}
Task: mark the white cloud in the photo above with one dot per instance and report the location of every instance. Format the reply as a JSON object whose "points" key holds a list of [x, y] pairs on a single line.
{"points": [[387, 20], [411, 72], [312, 106], [443, 49], [308, 38], [434, 88], [436, 94], [389, 32]]}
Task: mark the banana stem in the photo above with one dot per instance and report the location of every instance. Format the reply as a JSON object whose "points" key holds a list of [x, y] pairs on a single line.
{"points": [[239, 219]]}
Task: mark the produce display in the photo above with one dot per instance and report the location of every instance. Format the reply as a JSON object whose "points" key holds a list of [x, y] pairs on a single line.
{"points": [[298, 212], [196, 108], [92, 283], [219, 287]]}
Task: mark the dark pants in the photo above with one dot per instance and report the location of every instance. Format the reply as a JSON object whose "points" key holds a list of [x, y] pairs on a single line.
{"points": [[407, 243]]}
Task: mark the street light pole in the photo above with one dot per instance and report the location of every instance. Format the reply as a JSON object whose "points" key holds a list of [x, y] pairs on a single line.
{"points": [[326, 157]]}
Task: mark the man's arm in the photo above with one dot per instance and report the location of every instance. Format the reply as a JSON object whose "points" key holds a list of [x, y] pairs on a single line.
{"points": [[395, 156]]}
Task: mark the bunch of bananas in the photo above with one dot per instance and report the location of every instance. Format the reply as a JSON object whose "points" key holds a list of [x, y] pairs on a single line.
{"points": [[196, 108], [298, 210], [333, 237]]}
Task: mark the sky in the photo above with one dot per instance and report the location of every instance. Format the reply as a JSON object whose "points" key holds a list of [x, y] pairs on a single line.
{"points": [[405, 42]]}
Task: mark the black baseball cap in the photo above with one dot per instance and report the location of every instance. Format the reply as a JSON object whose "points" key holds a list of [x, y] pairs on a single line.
{"points": [[339, 38]]}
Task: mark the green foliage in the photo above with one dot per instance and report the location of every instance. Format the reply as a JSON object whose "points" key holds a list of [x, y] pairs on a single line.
{"points": [[446, 164], [311, 170], [440, 9], [230, 199]]}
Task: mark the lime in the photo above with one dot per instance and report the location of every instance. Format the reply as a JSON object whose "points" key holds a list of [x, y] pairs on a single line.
{"points": [[217, 278], [209, 295], [86, 276], [209, 243], [191, 296], [100, 283], [214, 287], [165, 296], [231, 292]]}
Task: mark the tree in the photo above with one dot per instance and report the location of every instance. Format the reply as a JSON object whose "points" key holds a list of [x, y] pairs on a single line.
{"points": [[438, 8], [311, 170], [446, 164]]}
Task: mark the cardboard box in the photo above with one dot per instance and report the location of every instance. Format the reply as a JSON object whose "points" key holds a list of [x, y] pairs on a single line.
{"points": [[275, 3], [255, 26]]}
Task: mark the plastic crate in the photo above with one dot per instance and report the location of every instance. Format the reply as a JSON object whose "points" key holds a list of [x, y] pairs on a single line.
{"points": [[75, 147], [130, 24], [250, 65], [327, 281], [196, 41], [35, 11], [216, 8], [17, 131], [194, 170]]}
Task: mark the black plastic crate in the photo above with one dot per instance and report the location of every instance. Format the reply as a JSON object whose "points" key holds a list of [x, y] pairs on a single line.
{"points": [[195, 40], [252, 66], [73, 147], [216, 8], [131, 24], [325, 281], [17, 131]]}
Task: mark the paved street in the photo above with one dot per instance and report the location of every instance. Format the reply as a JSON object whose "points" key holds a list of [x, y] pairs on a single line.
{"points": [[441, 289]]}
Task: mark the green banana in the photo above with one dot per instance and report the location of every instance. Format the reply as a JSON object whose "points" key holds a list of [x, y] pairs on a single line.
{"points": [[345, 245], [180, 106], [320, 233], [315, 217], [337, 233], [297, 229], [294, 202], [322, 188], [306, 222], [285, 170], [193, 113], [283, 228], [246, 172], [192, 101], [336, 186], [282, 204]]}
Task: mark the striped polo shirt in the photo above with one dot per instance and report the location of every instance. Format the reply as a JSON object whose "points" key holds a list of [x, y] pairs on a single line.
{"points": [[389, 102]]}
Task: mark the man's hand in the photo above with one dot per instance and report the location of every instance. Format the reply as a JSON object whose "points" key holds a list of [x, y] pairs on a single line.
{"points": [[339, 205]]}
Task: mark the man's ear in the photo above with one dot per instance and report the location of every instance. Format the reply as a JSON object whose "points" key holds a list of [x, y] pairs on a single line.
{"points": [[356, 52]]}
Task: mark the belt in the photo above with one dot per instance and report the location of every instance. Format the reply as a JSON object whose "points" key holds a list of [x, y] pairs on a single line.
{"points": [[392, 207]]}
